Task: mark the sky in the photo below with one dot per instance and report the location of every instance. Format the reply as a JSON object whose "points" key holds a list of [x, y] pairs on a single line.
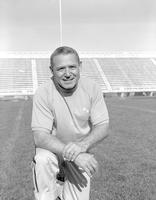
{"points": [[87, 25]]}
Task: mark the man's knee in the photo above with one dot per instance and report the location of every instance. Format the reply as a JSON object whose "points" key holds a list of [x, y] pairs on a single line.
{"points": [[46, 158]]}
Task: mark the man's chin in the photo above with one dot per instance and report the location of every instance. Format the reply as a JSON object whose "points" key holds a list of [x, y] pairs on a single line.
{"points": [[68, 87]]}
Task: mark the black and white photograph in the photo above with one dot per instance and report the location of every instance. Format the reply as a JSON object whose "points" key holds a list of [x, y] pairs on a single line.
{"points": [[77, 100]]}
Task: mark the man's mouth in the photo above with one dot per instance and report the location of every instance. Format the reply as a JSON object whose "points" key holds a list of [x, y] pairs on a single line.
{"points": [[68, 80]]}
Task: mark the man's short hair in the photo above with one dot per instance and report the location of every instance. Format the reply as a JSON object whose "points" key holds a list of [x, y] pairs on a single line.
{"points": [[64, 50]]}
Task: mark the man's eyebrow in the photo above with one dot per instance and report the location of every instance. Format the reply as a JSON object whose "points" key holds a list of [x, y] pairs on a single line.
{"points": [[61, 66], [72, 65], [67, 66]]}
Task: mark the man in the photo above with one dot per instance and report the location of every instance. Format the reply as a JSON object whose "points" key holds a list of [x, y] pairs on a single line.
{"points": [[69, 118]]}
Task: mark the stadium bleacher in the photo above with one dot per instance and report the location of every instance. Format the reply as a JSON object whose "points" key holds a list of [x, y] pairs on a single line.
{"points": [[113, 74], [43, 71], [90, 70], [129, 74], [143, 68], [116, 77], [15, 76]]}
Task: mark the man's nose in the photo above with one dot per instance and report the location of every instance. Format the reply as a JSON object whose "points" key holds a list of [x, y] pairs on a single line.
{"points": [[67, 72]]}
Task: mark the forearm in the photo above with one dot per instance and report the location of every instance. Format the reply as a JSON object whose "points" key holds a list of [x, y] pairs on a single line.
{"points": [[49, 142], [97, 134]]}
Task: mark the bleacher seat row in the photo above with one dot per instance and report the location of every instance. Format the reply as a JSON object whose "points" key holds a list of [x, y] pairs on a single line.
{"points": [[122, 74]]}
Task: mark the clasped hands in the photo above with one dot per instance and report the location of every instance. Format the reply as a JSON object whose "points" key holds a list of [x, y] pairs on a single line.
{"points": [[76, 152]]}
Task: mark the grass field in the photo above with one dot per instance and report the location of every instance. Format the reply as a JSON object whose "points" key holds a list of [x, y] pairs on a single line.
{"points": [[127, 157]]}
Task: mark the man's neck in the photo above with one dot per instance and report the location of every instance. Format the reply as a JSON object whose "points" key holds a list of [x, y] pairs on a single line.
{"points": [[64, 92]]}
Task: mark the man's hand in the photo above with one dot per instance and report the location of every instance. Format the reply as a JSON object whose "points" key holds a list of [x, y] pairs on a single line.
{"points": [[87, 162], [72, 150], [74, 174]]}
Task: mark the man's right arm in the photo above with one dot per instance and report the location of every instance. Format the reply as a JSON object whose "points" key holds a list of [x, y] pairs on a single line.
{"points": [[48, 141], [43, 122]]}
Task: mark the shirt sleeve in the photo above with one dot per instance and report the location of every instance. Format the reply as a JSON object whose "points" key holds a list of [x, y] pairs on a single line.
{"points": [[99, 112], [42, 117]]}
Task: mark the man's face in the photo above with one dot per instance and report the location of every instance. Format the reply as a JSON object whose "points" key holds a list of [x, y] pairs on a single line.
{"points": [[66, 70]]}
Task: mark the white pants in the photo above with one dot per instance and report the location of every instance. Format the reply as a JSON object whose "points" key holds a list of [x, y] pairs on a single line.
{"points": [[45, 168]]}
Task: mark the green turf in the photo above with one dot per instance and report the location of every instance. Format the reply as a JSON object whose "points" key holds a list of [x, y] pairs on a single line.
{"points": [[127, 157]]}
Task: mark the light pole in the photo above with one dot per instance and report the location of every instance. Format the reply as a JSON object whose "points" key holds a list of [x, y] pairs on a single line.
{"points": [[60, 14]]}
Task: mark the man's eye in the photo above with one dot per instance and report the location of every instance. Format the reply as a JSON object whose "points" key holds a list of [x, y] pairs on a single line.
{"points": [[72, 67], [60, 69]]}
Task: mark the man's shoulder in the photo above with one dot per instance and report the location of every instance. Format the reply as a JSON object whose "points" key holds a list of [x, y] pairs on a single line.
{"points": [[87, 81], [89, 84], [44, 87]]}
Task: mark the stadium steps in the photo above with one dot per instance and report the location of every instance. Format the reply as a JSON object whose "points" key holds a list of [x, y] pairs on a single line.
{"points": [[129, 72], [89, 69], [116, 76]]}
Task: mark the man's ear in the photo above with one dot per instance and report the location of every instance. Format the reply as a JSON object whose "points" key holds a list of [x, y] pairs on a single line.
{"points": [[51, 69], [80, 65]]}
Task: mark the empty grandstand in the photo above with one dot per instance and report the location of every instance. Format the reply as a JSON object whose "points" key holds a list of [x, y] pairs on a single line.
{"points": [[15, 76], [21, 75], [43, 71], [129, 74]]}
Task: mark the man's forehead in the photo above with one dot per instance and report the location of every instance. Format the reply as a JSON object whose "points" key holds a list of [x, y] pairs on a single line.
{"points": [[65, 59]]}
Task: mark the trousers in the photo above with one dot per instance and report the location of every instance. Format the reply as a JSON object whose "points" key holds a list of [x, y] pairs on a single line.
{"points": [[46, 166]]}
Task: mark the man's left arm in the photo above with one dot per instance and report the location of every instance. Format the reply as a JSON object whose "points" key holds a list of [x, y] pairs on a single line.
{"points": [[96, 136]]}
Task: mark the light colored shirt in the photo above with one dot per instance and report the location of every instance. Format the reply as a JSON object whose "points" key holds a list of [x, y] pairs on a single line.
{"points": [[69, 118]]}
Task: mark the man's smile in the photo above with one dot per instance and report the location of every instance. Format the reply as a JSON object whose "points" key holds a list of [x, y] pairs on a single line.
{"points": [[68, 80]]}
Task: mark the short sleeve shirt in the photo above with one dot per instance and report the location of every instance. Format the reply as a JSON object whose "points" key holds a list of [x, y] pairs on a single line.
{"points": [[69, 118]]}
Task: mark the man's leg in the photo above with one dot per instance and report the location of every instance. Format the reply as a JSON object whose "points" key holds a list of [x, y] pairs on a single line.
{"points": [[45, 170]]}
